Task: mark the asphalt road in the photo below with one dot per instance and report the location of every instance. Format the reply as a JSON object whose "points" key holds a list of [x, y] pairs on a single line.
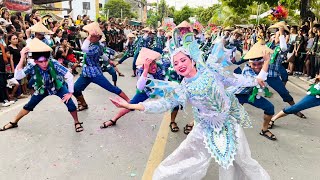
{"points": [[45, 146]]}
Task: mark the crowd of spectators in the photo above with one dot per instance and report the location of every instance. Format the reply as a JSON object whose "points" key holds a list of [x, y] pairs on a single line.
{"points": [[66, 38]]}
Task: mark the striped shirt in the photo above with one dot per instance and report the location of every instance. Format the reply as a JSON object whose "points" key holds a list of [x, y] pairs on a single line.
{"points": [[48, 80]]}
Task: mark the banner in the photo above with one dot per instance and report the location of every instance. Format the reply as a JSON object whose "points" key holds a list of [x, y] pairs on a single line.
{"points": [[18, 5]]}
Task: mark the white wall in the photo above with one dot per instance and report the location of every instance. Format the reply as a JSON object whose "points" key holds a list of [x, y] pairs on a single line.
{"points": [[78, 8]]}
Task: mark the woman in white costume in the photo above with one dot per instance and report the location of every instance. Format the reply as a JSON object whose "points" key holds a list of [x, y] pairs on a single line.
{"points": [[219, 119]]}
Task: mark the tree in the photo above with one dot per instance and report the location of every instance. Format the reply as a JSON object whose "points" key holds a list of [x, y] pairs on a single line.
{"points": [[115, 6], [226, 16], [171, 11], [315, 4], [240, 6], [204, 15], [162, 9], [183, 14], [152, 19]]}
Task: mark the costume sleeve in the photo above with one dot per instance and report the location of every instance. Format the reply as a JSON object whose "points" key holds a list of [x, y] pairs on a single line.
{"points": [[85, 45], [239, 80], [159, 106], [141, 83], [20, 74], [283, 44], [69, 80]]}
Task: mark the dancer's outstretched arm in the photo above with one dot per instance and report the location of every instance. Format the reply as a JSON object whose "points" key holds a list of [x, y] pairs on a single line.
{"points": [[154, 107]]}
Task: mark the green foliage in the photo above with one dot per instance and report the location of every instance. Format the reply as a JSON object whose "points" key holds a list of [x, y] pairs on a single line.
{"points": [[204, 15], [315, 4], [152, 20], [226, 16], [115, 7], [162, 9], [183, 14], [171, 11]]}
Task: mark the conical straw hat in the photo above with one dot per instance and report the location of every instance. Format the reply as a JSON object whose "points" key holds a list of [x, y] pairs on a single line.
{"points": [[280, 24], [40, 28], [93, 27], [146, 29], [257, 51], [130, 35], [184, 24], [147, 53], [161, 28], [228, 28], [237, 31], [36, 45]]}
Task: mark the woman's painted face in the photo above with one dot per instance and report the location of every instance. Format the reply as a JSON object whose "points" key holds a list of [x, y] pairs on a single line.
{"points": [[182, 64]]}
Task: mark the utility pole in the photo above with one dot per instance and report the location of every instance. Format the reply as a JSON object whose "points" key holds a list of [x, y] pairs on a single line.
{"points": [[70, 5]]}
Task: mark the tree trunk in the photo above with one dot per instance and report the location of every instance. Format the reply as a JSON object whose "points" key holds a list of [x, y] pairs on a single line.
{"points": [[304, 8]]}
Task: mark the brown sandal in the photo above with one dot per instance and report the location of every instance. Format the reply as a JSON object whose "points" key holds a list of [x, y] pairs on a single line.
{"points": [[272, 137], [187, 129], [113, 123], [81, 107], [174, 129], [79, 128], [13, 125]]}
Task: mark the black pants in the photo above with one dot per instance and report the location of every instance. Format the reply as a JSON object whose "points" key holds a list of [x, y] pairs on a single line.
{"points": [[299, 62], [316, 65], [3, 87]]}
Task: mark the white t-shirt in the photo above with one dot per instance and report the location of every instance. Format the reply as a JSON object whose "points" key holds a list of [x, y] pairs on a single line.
{"points": [[57, 40], [126, 32], [310, 43]]}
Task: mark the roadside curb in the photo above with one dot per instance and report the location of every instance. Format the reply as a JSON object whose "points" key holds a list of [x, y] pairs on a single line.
{"points": [[299, 83]]}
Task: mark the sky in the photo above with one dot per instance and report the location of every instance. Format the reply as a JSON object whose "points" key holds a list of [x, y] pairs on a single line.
{"points": [[192, 3]]}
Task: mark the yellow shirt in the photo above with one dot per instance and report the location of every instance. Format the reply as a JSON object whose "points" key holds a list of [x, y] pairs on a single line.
{"points": [[78, 22]]}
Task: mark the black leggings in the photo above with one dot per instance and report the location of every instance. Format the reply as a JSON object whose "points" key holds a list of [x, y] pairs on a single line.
{"points": [[316, 65]]}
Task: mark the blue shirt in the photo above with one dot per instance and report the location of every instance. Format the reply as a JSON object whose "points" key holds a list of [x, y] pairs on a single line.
{"points": [[48, 81], [92, 68], [160, 42], [273, 70]]}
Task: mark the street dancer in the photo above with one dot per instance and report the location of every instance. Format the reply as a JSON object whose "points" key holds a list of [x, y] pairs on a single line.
{"points": [[91, 70], [257, 63], [219, 119], [49, 77], [307, 102]]}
